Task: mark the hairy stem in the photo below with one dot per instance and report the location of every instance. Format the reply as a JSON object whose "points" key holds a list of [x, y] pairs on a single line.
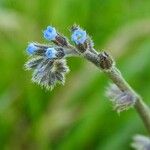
{"points": [[142, 109], [144, 112], [103, 62]]}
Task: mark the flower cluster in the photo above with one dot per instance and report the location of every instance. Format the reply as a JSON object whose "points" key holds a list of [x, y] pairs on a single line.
{"points": [[48, 61]]}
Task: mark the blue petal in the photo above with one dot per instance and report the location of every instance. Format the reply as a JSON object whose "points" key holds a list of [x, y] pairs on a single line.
{"points": [[50, 33], [31, 49], [51, 53], [79, 36]]}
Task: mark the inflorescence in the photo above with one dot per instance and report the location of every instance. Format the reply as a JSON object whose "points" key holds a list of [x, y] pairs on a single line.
{"points": [[48, 62]]}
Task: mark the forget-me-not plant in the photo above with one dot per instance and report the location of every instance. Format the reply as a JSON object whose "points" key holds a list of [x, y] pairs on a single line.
{"points": [[49, 67]]}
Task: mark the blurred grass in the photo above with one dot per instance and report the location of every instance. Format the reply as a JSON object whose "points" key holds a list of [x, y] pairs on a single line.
{"points": [[76, 115]]}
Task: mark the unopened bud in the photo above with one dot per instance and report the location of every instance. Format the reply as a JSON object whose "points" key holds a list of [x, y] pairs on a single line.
{"points": [[106, 62]]}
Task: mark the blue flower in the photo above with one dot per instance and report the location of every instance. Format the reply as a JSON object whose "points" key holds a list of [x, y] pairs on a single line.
{"points": [[50, 33], [31, 48], [51, 53], [79, 36]]}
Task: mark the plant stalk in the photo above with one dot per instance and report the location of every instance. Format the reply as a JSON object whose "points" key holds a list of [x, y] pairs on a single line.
{"points": [[106, 64], [142, 109]]}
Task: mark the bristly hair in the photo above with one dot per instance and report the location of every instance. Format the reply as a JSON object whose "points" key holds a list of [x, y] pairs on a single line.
{"points": [[33, 62], [121, 100], [47, 72]]}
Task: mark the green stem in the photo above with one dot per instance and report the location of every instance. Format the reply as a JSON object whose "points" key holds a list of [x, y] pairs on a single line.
{"points": [[106, 64], [144, 112]]}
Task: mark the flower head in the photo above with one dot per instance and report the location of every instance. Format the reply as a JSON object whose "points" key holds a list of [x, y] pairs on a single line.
{"points": [[51, 53], [50, 33], [48, 62], [79, 36], [31, 49]]}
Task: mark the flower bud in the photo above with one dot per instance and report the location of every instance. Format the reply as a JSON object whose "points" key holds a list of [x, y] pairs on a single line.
{"points": [[51, 53], [79, 37], [50, 33], [31, 49], [106, 62]]}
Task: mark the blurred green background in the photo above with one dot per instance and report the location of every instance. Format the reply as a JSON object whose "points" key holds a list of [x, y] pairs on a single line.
{"points": [[76, 115]]}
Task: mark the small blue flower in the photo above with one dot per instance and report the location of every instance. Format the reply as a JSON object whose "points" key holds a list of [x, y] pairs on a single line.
{"points": [[31, 48], [50, 33], [51, 53], [79, 36]]}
